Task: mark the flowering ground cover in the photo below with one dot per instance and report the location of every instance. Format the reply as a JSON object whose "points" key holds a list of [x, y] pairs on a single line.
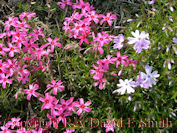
{"points": [[76, 66]]}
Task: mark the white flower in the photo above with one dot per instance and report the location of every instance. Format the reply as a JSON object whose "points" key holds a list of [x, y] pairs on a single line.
{"points": [[126, 85]]}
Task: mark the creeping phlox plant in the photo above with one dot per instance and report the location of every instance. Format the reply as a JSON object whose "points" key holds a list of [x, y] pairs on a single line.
{"points": [[25, 50]]}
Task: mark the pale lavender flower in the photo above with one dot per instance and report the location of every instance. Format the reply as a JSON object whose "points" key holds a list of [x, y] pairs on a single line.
{"points": [[151, 2], [171, 9], [173, 114], [141, 40], [140, 45], [118, 41], [69, 130], [150, 77], [130, 20], [175, 40]]}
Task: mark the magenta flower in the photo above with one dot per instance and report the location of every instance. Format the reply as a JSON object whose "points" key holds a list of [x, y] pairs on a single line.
{"points": [[29, 46], [83, 106], [48, 100], [11, 22], [83, 38], [52, 121], [65, 104], [3, 67], [4, 80], [56, 86], [105, 62], [84, 6], [109, 126], [31, 91], [12, 49], [64, 3], [93, 17], [36, 33], [120, 59], [22, 130], [62, 116], [14, 122], [52, 43], [98, 71], [100, 83], [39, 52], [108, 18], [28, 15], [2, 50], [132, 62], [23, 25], [5, 129]]}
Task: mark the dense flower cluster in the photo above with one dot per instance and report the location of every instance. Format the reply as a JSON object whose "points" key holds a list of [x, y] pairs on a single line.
{"points": [[25, 50], [82, 25], [103, 65]]}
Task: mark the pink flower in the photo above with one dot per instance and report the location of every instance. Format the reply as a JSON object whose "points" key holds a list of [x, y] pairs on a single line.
{"points": [[98, 71], [84, 6], [64, 3], [22, 130], [108, 18], [132, 62], [100, 82], [109, 126], [62, 116], [4, 79], [12, 49], [102, 39], [83, 37], [14, 122], [28, 15], [120, 59], [93, 17], [11, 64], [23, 25], [65, 104], [29, 46], [39, 52], [56, 86], [52, 43], [83, 106], [52, 120], [3, 67], [105, 62], [47, 101], [31, 91], [5, 130], [11, 22], [2, 49], [36, 33]]}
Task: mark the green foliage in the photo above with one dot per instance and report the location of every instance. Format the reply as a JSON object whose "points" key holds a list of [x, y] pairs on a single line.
{"points": [[72, 66]]}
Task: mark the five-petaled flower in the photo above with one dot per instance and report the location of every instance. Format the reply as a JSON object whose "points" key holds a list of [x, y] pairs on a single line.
{"points": [[31, 91]]}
